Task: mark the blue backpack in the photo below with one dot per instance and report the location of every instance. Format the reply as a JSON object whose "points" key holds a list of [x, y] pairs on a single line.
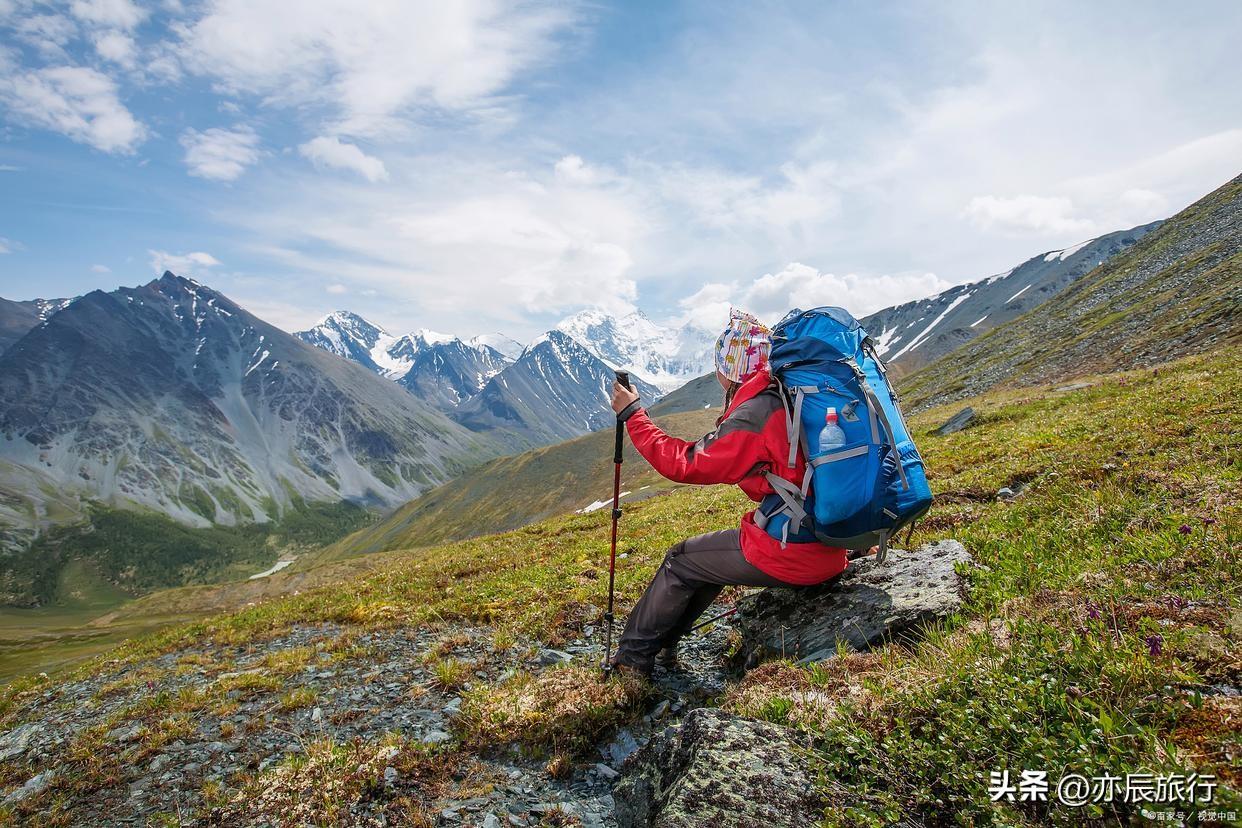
{"points": [[860, 494]]}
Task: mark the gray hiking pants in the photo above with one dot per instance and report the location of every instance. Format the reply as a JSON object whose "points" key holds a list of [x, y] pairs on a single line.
{"points": [[692, 575]]}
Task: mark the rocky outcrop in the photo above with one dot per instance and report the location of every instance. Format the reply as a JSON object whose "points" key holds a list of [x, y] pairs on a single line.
{"points": [[870, 603], [718, 770], [957, 422]]}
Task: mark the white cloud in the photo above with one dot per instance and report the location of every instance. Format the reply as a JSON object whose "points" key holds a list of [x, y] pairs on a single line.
{"points": [[801, 195], [372, 62], [182, 264], [220, 154], [336, 289], [772, 295], [8, 245], [99, 268], [326, 151], [48, 33], [116, 47], [78, 102], [1028, 214], [121, 14]]}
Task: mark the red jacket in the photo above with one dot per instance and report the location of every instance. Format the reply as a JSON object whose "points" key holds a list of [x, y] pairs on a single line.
{"points": [[750, 439]]}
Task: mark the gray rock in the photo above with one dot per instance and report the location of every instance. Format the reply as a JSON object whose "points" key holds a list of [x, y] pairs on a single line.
{"points": [[316, 714], [390, 775], [1074, 386], [159, 763], [34, 785], [554, 657], [957, 422], [621, 747], [868, 604], [605, 771], [435, 737], [491, 821], [17, 741], [125, 734], [715, 769], [1005, 493]]}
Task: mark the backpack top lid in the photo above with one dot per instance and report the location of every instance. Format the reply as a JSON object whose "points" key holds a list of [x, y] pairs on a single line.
{"points": [[815, 339]]}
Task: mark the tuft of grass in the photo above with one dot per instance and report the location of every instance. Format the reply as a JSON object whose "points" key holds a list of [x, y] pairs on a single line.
{"points": [[298, 699], [450, 673], [563, 710]]}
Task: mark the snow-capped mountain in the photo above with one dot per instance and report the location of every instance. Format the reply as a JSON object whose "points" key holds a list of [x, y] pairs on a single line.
{"points": [[664, 356], [449, 372], [510, 348], [913, 334], [440, 367], [171, 397], [556, 389], [18, 318]]}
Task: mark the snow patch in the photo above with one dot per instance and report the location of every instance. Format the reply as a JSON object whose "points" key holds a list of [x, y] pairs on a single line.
{"points": [[1019, 293]]}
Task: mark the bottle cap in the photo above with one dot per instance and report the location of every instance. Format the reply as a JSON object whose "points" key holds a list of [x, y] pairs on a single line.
{"points": [[831, 415]]}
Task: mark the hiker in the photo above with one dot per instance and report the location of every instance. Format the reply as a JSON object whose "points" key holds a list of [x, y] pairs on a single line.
{"points": [[751, 438]]}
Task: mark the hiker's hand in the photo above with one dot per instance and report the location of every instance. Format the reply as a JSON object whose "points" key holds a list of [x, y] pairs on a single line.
{"points": [[621, 397]]}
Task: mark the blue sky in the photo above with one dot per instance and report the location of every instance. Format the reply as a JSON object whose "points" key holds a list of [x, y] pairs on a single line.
{"points": [[477, 166]]}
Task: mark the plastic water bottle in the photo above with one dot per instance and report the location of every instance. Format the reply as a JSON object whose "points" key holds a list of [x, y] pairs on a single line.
{"points": [[832, 437]]}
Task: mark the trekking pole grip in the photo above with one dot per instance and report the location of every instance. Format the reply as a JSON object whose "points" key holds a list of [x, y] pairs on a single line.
{"points": [[623, 377]]}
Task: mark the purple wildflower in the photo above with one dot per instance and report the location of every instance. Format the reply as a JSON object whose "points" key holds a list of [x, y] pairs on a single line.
{"points": [[1208, 521], [1155, 644], [1185, 529], [1093, 612]]}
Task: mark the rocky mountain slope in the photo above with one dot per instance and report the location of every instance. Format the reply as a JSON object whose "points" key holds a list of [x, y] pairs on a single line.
{"points": [[916, 333], [447, 374], [171, 397], [1177, 291], [18, 318], [554, 391]]}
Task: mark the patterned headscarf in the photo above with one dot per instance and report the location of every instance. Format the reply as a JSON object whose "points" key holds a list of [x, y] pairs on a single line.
{"points": [[743, 347]]}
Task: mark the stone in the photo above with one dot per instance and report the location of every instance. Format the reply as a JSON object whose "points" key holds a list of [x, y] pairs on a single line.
{"points": [[17, 741], [868, 604], [715, 769], [316, 714], [491, 821], [605, 771], [660, 709], [551, 657], [1073, 386], [1005, 493], [390, 775], [125, 734], [435, 737], [34, 785], [622, 746], [957, 422]]}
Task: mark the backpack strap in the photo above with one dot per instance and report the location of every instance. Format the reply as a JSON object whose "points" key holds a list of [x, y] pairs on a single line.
{"points": [[877, 411]]}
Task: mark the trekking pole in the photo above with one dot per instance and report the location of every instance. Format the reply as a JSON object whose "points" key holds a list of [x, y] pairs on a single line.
{"points": [[624, 379], [711, 620]]}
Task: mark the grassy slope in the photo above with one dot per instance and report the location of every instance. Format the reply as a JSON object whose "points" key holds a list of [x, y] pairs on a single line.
{"points": [[1176, 290], [517, 490], [1094, 623]]}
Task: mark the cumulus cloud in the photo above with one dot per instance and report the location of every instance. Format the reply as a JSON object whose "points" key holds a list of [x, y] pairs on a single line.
{"points": [[76, 101], [799, 195], [336, 289], [220, 154], [1027, 214], [371, 62], [182, 264], [7, 245], [326, 151], [116, 47], [99, 268], [121, 14], [772, 295]]}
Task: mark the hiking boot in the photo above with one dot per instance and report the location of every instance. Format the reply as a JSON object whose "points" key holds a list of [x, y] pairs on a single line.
{"points": [[667, 657]]}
